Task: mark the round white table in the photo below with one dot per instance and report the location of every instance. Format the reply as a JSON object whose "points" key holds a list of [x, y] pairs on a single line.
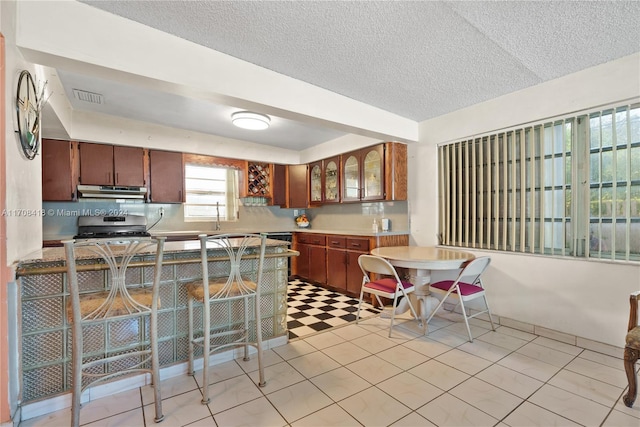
{"points": [[421, 260]]}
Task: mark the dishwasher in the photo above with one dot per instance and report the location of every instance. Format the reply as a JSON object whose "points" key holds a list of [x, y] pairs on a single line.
{"points": [[285, 236]]}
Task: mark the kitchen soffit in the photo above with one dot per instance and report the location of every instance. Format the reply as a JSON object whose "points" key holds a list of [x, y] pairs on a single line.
{"points": [[192, 114], [415, 59]]}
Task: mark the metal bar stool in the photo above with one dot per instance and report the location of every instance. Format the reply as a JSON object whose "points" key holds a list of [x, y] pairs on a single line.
{"points": [[99, 305], [228, 285]]}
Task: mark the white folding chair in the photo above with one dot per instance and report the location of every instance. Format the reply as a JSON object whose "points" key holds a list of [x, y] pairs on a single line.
{"points": [[387, 287], [466, 287]]}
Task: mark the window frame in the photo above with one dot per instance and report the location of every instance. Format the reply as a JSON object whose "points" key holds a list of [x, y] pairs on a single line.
{"points": [[232, 198], [536, 178]]}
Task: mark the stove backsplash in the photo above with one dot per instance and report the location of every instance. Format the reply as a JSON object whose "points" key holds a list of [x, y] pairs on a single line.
{"points": [[61, 218]]}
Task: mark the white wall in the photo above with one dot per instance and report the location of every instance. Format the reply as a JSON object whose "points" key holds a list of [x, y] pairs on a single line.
{"points": [[23, 177], [24, 194], [589, 299]]}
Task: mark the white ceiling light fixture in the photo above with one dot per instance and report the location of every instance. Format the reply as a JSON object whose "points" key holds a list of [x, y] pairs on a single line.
{"points": [[249, 120]]}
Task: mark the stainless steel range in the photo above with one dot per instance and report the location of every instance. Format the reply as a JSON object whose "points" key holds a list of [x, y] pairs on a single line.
{"points": [[98, 227]]}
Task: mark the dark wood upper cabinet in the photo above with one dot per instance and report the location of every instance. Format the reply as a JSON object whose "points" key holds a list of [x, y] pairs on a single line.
{"points": [[396, 171], [128, 166], [378, 172], [57, 171], [324, 181], [102, 164], [96, 164], [315, 183], [166, 172], [331, 180], [298, 188], [363, 174], [279, 186]]}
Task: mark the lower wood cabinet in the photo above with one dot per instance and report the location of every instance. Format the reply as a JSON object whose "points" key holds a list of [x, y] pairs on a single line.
{"points": [[331, 260], [311, 264], [342, 261]]}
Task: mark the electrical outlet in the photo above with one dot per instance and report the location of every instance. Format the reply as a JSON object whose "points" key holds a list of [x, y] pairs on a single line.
{"points": [[295, 212], [161, 212]]}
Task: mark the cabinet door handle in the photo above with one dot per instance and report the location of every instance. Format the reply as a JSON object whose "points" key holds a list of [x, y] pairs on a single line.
{"points": [[117, 177], [108, 177]]}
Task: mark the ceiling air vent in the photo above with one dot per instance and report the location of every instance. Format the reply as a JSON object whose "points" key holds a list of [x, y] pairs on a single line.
{"points": [[83, 95]]}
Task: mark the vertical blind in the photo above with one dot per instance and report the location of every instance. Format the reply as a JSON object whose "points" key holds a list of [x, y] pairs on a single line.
{"points": [[568, 187]]}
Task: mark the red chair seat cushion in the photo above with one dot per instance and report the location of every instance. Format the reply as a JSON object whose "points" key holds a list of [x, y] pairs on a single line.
{"points": [[387, 285], [465, 288]]}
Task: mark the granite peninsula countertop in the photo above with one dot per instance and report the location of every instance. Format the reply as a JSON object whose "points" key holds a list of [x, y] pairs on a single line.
{"points": [[52, 254]]}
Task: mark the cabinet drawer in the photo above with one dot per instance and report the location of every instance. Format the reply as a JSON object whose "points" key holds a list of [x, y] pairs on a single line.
{"points": [[336, 242], [361, 245], [312, 239]]}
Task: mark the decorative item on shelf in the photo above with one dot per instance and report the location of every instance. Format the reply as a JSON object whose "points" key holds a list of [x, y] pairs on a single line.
{"points": [[302, 221], [255, 201], [259, 179]]}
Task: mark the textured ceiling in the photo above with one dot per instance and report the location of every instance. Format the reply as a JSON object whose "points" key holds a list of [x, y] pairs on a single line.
{"points": [[418, 59]]}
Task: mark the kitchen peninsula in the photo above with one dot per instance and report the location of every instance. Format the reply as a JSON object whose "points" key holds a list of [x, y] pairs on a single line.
{"points": [[45, 333], [371, 183]]}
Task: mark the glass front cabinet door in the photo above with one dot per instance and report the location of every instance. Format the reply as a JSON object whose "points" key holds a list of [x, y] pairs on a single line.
{"points": [[363, 174], [372, 174], [315, 182], [332, 180], [350, 177]]}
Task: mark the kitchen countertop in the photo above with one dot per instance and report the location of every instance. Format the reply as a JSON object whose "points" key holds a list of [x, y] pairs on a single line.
{"points": [[53, 254], [366, 233], [186, 235]]}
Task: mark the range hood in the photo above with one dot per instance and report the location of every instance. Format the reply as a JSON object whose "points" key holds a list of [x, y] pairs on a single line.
{"points": [[111, 192]]}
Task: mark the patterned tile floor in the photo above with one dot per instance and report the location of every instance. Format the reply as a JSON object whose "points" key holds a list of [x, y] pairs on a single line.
{"points": [[313, 309], [355, 375]]}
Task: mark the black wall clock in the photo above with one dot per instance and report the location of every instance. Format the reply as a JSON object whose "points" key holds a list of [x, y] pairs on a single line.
{"points": [[28, 113]]}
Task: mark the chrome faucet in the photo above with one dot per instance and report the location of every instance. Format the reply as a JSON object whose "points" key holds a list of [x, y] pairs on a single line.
{"points": [[217, 216]]}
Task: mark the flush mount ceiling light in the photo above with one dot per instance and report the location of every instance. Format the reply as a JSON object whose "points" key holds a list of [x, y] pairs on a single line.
{"points": [[249, 120]]}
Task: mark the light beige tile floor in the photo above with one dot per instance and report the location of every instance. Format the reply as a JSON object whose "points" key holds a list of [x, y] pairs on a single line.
{"points": [[356, 375]]}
